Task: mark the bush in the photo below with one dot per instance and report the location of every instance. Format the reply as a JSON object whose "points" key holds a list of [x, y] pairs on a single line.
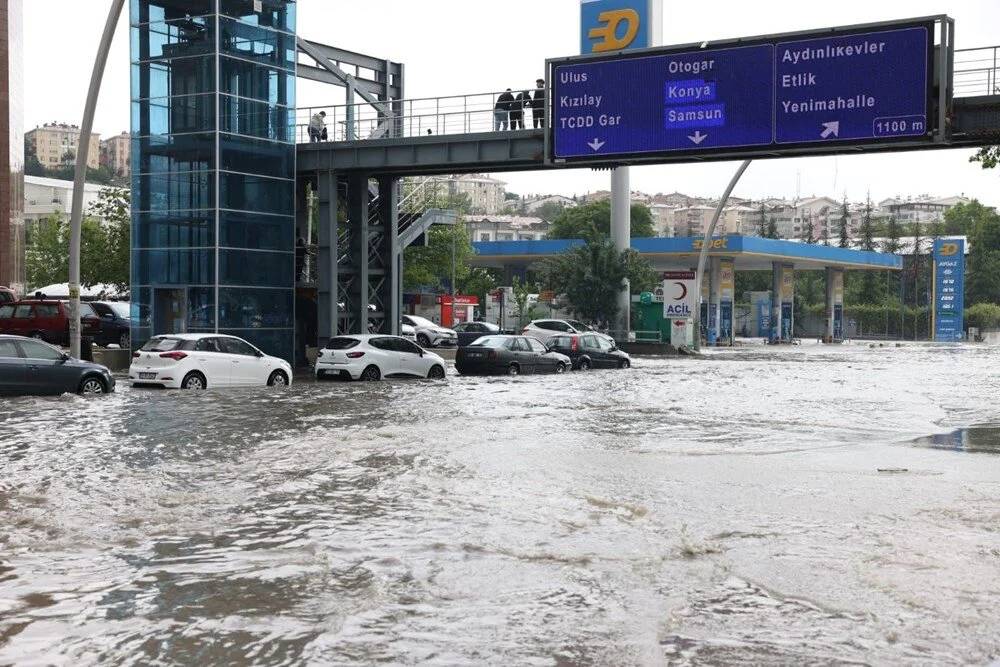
{"points": [[983, 316]]}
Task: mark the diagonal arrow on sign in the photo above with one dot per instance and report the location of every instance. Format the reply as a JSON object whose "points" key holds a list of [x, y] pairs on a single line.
{"points": [[833, 127], [596, 144]]}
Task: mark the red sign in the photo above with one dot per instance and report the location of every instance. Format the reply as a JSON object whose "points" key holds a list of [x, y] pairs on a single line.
{"points": [[459, 300], [679, 275]]}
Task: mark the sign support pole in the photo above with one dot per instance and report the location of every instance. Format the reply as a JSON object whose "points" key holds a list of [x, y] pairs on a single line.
{"points": [[621, 236], [706, 242]]}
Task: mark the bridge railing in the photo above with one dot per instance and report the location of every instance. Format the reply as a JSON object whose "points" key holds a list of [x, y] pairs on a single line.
{"points": [[977, 71], [457, 114]]}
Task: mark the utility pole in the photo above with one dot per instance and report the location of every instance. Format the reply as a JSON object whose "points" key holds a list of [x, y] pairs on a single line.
{"points": [[80, 177]]}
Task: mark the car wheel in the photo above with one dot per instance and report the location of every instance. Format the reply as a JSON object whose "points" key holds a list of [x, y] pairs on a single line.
{"points": [[560, 368], [624, 363], [436, 373], [585, 364], [125, 340], [277, 379], [423, 340], [371, 374], [195, 381], [93, 386], [513, 369]]}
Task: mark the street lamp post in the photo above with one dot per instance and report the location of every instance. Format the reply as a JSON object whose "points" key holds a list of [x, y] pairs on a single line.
{"points": [[80, 175]]}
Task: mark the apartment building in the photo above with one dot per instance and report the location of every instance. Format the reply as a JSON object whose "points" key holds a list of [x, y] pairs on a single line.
{"points": [[115, 154], [56, 145]]}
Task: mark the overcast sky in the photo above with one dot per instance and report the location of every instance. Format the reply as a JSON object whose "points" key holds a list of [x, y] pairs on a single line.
{"points": [[467, 46]]}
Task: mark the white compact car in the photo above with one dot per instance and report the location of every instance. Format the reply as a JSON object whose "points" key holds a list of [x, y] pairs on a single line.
{"points": [[201, 361], [373, 357], [428, 333]]}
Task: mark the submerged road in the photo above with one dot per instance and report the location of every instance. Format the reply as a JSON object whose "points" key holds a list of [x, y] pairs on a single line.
{"points": [[799, 505]]}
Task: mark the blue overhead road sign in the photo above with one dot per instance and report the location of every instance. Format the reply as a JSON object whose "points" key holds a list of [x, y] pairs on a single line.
{"points": [[866, 86], [860, 86]]}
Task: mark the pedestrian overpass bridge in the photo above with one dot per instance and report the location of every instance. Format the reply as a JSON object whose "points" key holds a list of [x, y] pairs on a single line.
{"points": [[370, 177]]}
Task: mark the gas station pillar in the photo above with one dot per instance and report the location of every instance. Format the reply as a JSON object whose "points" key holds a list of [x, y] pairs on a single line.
{"points": [[834, 305], [714, 299], [782, 303]]}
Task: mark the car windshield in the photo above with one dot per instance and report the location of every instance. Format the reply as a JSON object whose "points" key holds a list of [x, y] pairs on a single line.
{"points": [[162, 345], [421, 322], [121, 309], [579, 326], [341, 343], [490, 341]]}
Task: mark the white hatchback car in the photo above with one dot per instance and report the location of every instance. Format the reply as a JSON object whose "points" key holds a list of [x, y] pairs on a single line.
{"points": [[374, 356], [200, 361]]}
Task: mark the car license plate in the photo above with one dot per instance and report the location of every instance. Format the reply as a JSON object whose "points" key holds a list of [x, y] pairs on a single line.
{"points": [[147, 376]]}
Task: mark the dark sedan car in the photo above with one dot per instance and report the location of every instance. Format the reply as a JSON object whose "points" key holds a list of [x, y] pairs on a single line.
{"points": [[30, 367], [590, 351], [508, 355], [470, 332], [115, 323]]}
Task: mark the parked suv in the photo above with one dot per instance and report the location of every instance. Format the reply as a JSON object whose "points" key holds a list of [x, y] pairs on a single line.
{"points": [[428, 333], [115, 322], [46, 320], [543, 330], [590, 351]]}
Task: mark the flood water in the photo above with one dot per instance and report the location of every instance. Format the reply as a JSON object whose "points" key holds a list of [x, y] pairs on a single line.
{"points": [[799, 506]]}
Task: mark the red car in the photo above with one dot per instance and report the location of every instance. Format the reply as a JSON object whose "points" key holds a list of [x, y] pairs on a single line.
{"points": [[46, 320]]}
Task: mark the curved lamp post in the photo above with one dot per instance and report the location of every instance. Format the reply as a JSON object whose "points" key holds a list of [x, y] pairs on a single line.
{"points": [[80, 175]]}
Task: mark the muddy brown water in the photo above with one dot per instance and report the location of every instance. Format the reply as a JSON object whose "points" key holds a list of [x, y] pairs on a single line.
{"points": [[797, 506]]}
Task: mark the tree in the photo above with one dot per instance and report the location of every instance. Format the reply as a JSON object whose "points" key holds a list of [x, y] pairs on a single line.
{"points": [[114, 207], [809, 230], [47, 256], [429, 267], [843, 226], [549, 211], [983, 281], [772, 228], [824, 238], [869, 291], [988, 156], [594, 221], [963, 219], [762, 222], [590, 276]]}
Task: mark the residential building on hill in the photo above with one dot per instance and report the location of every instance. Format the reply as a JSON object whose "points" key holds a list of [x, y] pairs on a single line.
{"points": [[56, 144], [115, 154], [505, 228]]}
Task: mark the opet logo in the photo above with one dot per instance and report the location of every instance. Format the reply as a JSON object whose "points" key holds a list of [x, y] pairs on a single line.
{"points": [[607, 32], [949, 249]]}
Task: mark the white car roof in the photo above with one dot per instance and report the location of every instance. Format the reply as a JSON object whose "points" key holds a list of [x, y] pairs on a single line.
{"points": [[364, 337], [197, 336]]}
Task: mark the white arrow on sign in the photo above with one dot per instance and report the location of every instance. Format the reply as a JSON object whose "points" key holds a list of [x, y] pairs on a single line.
{"points": [[698, 137], [833, 127], [596, 144]]}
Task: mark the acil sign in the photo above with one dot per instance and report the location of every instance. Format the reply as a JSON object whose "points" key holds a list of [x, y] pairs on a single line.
{"points": [[619, 25]]}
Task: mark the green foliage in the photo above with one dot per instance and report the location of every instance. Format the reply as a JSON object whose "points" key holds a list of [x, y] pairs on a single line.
{"points": [[809, 230], [429, 267], [590, 276], [592, 221], [762, 222], [772, 228], [988, 156], [983, 316], [843, 226], [104, 247], [549, 211], [114, 206]]}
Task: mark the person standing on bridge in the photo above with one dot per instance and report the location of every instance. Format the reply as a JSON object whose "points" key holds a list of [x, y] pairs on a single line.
{"points": [[517, 110], [501, 111], [317, 125], [538, 104]]}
